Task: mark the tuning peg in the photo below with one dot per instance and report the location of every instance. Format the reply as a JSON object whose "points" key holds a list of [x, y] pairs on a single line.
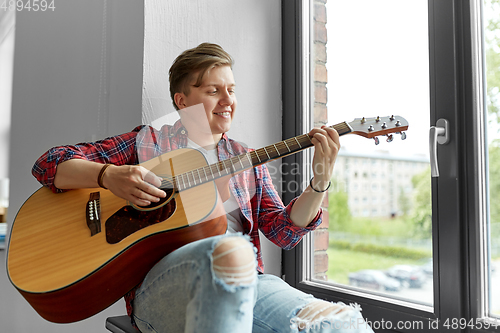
{"points": [[403, 135], [377, 141], [389, 138]]}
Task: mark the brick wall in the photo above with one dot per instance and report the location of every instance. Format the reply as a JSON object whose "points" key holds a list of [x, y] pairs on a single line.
{"points": [[319, 37]]}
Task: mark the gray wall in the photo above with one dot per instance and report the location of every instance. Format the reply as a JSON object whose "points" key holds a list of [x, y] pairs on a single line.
{"points": [[63, 93], [78, 76], [7, 24]]}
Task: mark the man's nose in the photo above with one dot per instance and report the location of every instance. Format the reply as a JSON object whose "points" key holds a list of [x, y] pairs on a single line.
{"points": [[226, 99]]}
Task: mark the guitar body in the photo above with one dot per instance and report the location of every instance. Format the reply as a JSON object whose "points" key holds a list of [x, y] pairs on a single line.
{"points": [[67, 274]]}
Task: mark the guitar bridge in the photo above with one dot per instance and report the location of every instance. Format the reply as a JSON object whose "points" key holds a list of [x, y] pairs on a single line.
{"points": [[93, 213]]}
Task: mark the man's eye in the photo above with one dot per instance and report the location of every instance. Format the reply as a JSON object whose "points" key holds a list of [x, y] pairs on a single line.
{"points": [[212, 92]]}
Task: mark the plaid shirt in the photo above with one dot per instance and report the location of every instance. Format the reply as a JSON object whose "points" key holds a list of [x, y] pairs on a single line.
{"points": [[257, 198]]}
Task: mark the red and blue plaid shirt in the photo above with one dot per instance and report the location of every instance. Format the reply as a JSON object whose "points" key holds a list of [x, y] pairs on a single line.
{"points": [[257, 198]]}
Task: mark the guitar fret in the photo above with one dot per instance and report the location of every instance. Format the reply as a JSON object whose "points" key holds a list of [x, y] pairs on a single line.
{"points": [[183, 183], [277, 150], [286, 146], [267, 153], [342, 128], [249, 159], [224, 166], [213, 177], [194, 179], [256, 154], [298, 142], [305, 143], [232, 165], [206, 177], [239, 158]]}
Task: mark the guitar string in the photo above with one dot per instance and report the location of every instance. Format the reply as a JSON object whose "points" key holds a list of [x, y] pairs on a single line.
{"points": [[221, 166], [281, 148]]}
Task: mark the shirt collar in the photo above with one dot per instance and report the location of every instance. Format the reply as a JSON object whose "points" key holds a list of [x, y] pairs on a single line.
{"points": [[179, 130], [224, 141]]}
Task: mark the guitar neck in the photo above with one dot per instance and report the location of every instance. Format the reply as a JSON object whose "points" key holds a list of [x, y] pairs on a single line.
{"points": [[239, 163]]}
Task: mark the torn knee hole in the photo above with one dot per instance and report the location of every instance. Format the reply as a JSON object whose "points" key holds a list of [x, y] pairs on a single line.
{"points": [[234, 261], [320, 309]]}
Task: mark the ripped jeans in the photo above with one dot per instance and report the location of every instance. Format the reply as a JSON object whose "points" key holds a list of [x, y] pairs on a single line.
{"points": [[191, 291]]}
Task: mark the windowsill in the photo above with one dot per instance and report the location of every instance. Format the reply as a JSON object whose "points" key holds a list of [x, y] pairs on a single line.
{"points": [[364, 294]]}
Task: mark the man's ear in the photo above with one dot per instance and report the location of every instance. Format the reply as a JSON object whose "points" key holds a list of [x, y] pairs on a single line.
{"points": [[180, 100]]}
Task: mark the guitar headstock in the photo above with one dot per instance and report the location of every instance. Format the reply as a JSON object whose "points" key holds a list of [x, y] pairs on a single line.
{"points": [[377, 126]]}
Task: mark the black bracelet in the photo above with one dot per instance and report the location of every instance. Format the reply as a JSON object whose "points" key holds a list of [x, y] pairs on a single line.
{"points": [[315, 190]]}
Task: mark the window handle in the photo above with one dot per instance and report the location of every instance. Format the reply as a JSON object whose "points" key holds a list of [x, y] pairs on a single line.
{"points": [[437, 134]]}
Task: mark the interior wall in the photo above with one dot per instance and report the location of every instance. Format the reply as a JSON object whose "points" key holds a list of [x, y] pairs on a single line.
{"points": [[250, 31], [78, 77], [7, 24]]}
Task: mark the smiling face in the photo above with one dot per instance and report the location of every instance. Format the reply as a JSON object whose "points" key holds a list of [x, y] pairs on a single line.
{"points": [[217, 94]]}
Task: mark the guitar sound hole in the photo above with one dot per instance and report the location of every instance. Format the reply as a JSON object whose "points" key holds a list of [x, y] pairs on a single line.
{"points": [[129, 220]]}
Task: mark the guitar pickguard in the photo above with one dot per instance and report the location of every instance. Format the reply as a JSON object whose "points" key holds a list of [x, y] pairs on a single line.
{"points": [[129, 220]]}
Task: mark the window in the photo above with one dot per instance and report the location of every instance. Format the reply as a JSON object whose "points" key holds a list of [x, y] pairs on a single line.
{"points": [[456, 212]]}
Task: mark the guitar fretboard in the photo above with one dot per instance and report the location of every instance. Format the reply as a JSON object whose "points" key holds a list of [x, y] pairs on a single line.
{"points": [[247, 160]]}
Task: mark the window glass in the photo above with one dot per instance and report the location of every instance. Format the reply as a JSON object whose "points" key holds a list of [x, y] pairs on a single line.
{"points": [[491, 19], [377, 235]]}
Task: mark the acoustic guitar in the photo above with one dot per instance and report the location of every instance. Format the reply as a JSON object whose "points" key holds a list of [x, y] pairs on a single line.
{"points": [[73, 254]]}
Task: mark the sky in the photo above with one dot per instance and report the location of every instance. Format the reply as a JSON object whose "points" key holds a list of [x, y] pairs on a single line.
{"points": [[378, 65]]}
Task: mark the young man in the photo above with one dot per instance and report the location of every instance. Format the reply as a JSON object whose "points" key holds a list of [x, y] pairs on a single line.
{"points": [[214, 284]]}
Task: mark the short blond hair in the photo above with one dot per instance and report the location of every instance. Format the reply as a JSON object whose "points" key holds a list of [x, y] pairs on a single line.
{"points": [[196, 60]]}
